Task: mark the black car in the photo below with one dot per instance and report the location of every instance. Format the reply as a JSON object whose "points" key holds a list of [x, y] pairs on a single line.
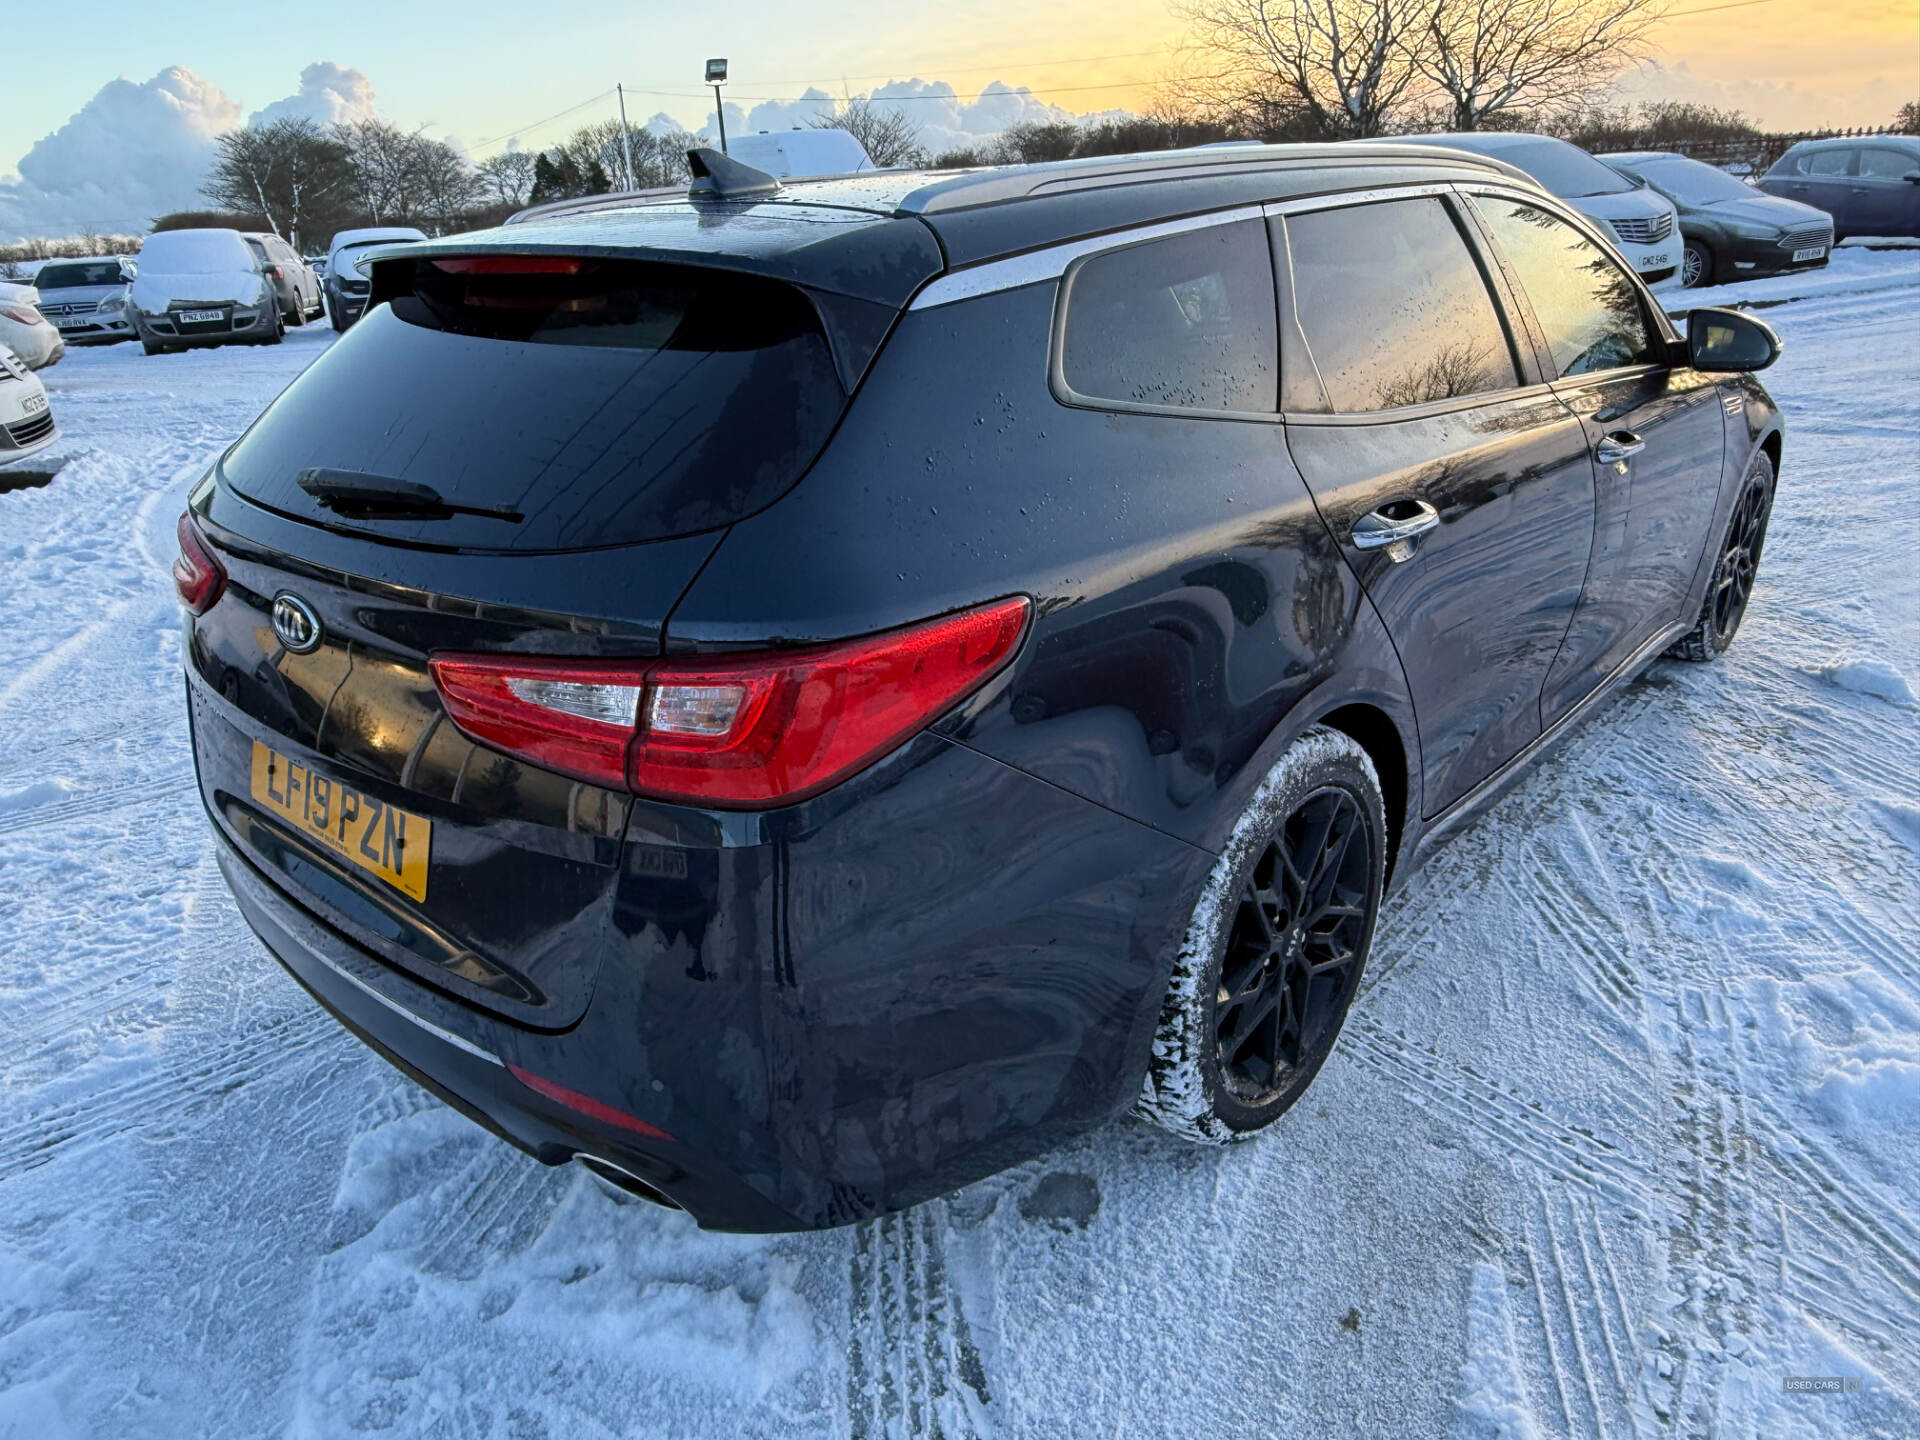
{"points": [[801, 696], [1870, 184], [1732, 231]]}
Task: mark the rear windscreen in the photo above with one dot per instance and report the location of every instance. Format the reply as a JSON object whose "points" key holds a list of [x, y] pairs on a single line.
{"points": [[555, 404]]}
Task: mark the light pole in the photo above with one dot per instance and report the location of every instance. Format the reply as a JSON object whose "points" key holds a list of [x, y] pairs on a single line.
{"points": [[716, 77]]}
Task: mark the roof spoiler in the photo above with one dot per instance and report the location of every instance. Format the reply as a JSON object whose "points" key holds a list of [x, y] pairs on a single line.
{"points": [[721, 177]]}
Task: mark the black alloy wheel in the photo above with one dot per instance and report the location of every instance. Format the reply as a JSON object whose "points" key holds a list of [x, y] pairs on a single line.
{"points": [[1734, 570], [1739, 560], [1293, 953]]}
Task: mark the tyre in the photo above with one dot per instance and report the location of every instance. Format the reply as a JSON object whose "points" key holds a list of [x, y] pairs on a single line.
{"points": [[152, 347], [1274, 951], [1725, 605], [339, 325], [1696, 265], [278, 333]]}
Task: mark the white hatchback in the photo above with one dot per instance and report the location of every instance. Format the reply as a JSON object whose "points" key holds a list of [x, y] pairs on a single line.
{"points": [[26, 419], [1642, 224]]}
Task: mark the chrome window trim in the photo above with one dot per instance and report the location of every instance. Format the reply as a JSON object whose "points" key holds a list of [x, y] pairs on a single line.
{"points": [[1343, 199], [1037, 266], [1340, 418]]}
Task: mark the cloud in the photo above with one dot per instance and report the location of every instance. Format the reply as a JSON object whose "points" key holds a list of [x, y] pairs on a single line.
{"points": [[329, 94], [943, 120], [1770, 104], [132, 152]]}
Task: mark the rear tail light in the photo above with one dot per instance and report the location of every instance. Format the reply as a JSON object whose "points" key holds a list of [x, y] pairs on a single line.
{"points": [[196, 574], [733, 732]]}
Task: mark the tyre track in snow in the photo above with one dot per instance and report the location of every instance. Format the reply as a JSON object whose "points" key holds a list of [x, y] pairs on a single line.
{"points": [[912, 1367]]}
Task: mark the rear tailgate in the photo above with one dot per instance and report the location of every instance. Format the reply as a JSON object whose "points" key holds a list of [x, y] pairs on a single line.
{"points": [[315, 764]]}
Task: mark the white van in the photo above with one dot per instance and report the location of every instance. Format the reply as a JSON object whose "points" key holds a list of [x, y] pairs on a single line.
{"points": [[785, 154]]}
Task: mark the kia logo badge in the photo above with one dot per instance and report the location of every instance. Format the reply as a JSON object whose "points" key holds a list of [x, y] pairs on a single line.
{"points": [[295, 623]]}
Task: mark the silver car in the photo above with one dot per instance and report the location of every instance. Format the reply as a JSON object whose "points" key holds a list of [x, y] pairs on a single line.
{"points": [[86, 300]]}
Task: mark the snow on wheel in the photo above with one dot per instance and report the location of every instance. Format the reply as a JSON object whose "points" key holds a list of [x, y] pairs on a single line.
{"points": [[1274, 952]]}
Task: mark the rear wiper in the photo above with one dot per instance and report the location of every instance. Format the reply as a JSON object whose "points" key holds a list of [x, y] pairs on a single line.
{"points": [[359, 496]]}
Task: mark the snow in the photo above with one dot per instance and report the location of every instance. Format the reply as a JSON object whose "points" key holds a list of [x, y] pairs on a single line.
{"points": [[1618, 1138]]}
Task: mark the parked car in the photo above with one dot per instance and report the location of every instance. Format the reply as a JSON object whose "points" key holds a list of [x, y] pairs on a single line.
{"points": [[1641, 223], [24, 330], [346, 286], [203, 288], [787, 154], [86, 300], [1870, 184], [1731, 231], [296, 284], [799, 697], [26, 419]]}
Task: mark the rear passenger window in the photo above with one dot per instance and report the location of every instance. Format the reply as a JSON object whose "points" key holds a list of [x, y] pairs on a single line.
{"points": [[1587, 305], [1183, 323], [1394, 308]]}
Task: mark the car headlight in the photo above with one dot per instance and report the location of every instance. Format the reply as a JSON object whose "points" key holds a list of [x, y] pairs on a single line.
{"points": [[113, 304], [1745, 231]]}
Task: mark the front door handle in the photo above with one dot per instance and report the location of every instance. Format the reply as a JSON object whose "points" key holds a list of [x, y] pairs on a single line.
{"points": [[1616, 447], [1394, 526]]}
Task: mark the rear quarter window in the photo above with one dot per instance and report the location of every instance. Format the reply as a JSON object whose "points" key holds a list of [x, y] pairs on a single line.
{"points": [[1185, 322]]}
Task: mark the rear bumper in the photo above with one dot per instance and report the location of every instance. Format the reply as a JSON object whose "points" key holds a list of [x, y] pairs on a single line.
{"points": [[939, 969]]}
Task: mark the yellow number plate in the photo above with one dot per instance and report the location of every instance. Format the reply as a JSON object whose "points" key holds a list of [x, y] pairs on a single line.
{"points": [[380, 838]]}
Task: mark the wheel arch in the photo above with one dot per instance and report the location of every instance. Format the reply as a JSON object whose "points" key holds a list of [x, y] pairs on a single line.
{"points": [[1373, 730]]}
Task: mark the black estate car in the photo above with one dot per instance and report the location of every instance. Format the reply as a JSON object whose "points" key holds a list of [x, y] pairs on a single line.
{"points": [[801, 696], [1732, 231]]}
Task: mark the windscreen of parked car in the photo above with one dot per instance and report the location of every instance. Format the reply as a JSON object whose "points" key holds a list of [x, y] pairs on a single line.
{"points": [[79, 272], [1394, 308], [1587, 305], [194, 252], [1565, 170], [1184, 323], [556, 403], [1691, 183]]}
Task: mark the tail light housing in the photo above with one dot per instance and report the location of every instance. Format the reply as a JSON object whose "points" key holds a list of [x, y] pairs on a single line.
{"points": [[736, 732], [196, 574]]}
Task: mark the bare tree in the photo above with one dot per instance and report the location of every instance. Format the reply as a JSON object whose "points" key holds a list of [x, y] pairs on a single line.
{"points": [[658, 160], [1906, 120], [289, 171], [1486, 56], [399, 175], [1344, 65], [508, 176], [888, 135]]}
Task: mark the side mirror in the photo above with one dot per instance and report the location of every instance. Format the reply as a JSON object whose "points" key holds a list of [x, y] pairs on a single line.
{"points": [[1729, 341], [1912, 177]]}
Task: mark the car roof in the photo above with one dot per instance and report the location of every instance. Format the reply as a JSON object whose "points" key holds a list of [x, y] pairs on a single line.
{"points": [[880, 234], [1628, 157], [1832, 142]]}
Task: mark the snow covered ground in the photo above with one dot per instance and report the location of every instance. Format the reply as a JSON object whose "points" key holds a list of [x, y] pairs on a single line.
{"points": [[1621, 1135]]}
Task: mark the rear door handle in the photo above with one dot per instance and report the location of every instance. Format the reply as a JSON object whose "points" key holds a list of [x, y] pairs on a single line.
{"points": [[1394, 524], [1618, 446]]}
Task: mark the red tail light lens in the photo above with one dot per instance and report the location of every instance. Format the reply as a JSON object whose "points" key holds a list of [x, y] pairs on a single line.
{"points": [[196, 574], [738, 732]]}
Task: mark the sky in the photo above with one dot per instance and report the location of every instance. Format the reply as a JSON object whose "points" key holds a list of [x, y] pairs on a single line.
{"points": [[113, 122]]}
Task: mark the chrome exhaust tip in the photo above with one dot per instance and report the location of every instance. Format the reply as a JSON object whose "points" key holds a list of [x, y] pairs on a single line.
{"points": [[621, 1185]]}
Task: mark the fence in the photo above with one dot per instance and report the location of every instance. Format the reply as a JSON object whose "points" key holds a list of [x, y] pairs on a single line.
{"points": [[1757, 152]]}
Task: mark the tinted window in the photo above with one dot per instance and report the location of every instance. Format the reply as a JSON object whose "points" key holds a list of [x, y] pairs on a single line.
{"points": [[1394, 309], [1826, 162], [1586, 304], [1186, 322], [1887, 164], [602, 402]]}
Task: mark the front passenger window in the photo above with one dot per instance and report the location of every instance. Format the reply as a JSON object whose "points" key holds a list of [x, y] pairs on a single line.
{"points": [[1586, 303], [1887, 164]]}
